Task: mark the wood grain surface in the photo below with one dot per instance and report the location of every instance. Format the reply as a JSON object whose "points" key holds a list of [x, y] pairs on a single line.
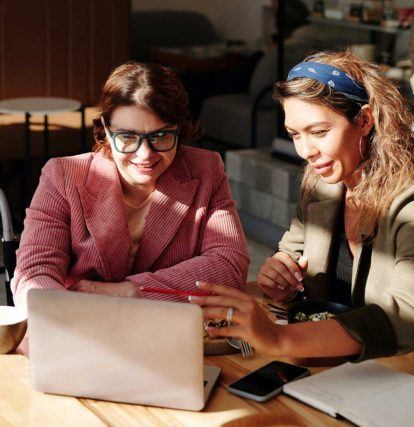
{"points": [[20, 405]]}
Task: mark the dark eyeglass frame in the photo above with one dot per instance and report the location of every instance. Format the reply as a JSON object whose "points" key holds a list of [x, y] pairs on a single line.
{"points": [[142, 136]]}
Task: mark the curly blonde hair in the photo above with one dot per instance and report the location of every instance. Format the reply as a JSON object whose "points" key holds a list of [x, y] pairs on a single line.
{"points": [[387, 167]]}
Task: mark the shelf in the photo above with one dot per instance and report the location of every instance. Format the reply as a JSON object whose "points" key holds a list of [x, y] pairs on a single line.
{"points": [[356, 25]]}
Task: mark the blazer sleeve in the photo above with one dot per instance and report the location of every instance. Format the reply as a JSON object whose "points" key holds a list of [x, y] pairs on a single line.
{"points": [[388, 327], [223, 252], [43, 254]]}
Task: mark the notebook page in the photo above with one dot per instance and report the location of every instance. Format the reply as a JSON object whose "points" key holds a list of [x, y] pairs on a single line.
{"points": [[359, 392], [313, 396], [393, 408]]}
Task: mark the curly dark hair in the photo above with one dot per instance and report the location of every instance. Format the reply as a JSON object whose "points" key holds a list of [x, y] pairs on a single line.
{"points": [[150, 86]]}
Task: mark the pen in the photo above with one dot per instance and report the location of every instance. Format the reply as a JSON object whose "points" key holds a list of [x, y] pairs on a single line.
{"points": [[172, 291]]}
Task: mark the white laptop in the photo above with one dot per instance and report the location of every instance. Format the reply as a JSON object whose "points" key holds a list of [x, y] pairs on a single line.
{"points": [[118, 349]]}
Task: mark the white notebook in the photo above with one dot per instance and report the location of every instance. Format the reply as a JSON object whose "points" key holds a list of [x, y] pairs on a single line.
{"points": [[367, 394]]}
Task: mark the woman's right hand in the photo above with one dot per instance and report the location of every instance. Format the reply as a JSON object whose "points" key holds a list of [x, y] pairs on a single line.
{"points": [[280, 276]]}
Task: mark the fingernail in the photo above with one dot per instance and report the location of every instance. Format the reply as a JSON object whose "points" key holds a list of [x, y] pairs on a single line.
{"points": [[298, 276], [193, 298], [282, 288], [300, 288], [197, 283]]}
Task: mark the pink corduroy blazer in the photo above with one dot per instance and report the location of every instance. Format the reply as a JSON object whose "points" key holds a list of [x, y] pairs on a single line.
{"points": [[76, 228]]}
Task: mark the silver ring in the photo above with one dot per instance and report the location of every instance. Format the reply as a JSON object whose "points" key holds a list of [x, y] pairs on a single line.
{"points": [[230, 313]]}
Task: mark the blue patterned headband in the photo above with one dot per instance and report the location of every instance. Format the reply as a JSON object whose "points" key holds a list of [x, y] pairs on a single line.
{"points": [[337, 79]]}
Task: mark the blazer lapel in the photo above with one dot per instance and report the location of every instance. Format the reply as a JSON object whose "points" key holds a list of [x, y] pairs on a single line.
{"points": [[173, 197], [320, 225], [105, 217]]}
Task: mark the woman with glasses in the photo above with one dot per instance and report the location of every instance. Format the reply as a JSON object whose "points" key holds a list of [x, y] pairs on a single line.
{"points": [[352, 241], [142, 215]]}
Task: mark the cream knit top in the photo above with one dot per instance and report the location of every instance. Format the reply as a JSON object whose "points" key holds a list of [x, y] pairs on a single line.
{"points": [[136, 217]]}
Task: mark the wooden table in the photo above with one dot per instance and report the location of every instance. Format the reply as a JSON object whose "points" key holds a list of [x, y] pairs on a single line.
{"points": [[20, 405]]}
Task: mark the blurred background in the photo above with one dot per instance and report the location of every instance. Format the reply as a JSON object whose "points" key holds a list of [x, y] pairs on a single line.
{"points": [[228, 53]]}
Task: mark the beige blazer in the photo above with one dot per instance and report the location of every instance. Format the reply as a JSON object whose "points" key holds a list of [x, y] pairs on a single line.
{"points": [[382, 289]]}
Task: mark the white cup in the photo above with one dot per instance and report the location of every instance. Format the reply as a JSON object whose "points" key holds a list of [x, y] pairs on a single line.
{"points": [[13, 325]]}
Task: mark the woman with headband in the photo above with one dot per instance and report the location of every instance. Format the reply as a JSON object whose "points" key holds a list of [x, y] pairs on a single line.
{"points": [[352, 240]]}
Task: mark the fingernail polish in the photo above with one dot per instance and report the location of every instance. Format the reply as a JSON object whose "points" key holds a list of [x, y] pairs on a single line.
{"points": [[300, 288], [298, 276], [282, 288], [197, 283]]}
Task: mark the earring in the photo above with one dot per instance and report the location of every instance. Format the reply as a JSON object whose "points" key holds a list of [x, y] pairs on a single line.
{"points": [[360, 148]]}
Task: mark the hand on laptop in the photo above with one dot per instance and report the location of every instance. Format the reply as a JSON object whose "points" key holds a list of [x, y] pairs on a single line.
{"points": [[248, 322], [121, 289]]}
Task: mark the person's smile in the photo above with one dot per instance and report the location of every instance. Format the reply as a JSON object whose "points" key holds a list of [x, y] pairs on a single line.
{"points": [[324, 168], [145, 166]]}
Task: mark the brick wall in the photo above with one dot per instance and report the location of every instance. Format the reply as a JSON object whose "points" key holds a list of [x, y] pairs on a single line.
{"points": [[264, 187]]}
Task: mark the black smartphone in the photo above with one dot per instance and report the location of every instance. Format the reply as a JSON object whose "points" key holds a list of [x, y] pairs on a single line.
{"points": [[267, 381]]}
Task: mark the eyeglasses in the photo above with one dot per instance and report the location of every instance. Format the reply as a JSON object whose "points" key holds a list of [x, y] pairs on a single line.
{"points": [[158, 140]]}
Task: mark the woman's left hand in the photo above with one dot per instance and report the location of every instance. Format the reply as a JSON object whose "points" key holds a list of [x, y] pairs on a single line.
{"points": [[248, 322], [122, 289]]}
